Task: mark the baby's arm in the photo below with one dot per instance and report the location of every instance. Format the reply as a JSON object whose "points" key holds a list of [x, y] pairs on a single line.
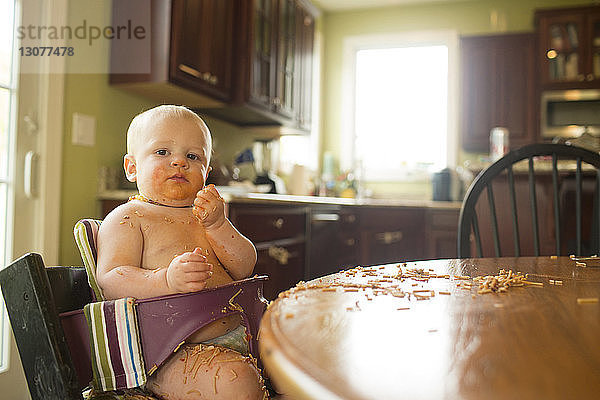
{"points": [[119, 270], [234, 250]]}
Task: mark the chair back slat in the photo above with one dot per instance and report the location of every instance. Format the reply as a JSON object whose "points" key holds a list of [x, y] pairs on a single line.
{"points": [[557, 230], [596, 217], [492, 206], [578, 205], [534, 208], [513, 211], [572, 187], [477, 235]]}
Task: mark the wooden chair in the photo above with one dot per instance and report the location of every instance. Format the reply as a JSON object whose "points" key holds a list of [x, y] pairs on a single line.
{"points": [[45, 309], [540, 199]]}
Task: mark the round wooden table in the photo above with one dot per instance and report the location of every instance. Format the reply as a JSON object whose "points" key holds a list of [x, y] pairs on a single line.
{"points": [[421, 330]]}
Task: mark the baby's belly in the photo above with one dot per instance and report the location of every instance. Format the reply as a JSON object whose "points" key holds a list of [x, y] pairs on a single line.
{"points": [[215, 329]]}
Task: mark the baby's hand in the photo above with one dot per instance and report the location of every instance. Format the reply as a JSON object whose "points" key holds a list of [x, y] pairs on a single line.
{"points": [[189, 272], [209, 207]]}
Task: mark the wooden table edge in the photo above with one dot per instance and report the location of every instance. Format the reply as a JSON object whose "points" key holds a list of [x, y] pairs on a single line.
{"points": [[298, 383]]}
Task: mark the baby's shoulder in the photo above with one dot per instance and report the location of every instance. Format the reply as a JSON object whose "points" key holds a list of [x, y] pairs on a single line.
{"points": [[125, 214]]}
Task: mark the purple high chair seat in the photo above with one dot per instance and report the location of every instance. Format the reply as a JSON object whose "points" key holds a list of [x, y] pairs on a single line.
{"points": [[165, 322]]}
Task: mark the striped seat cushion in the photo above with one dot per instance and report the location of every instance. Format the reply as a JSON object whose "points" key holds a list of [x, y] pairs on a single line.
{"points": [[117, 361], [86, 236]]}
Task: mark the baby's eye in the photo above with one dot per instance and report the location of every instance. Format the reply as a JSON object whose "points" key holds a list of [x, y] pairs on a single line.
{"points": [[193, 156], [161, 152]]}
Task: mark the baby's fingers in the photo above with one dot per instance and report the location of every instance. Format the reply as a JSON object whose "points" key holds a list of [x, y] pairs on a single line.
{"points": [[198, 276], [193, 266], [195, 286], [197, 255]]}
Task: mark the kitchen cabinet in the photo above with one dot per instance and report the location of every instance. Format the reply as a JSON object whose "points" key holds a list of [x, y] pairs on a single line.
{"points": [[203, 46], [279, 234], [441, 231], [569, 47], [498, 89], [244, 62], [281, 80], [392, 234], [334, 242]]}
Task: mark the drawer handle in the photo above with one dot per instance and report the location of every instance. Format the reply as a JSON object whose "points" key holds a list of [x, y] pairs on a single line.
{"points": [[350, 242], [325, 217], [279, 254], [278, 223], [389, 237], [350, 218], [205, 76], [190, 71]]}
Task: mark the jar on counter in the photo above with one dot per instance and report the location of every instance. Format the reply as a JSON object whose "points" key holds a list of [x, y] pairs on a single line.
{"points": [[498, 143]]}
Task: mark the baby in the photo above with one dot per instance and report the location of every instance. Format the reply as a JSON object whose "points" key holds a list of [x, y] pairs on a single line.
{"points": [[174, 237]]}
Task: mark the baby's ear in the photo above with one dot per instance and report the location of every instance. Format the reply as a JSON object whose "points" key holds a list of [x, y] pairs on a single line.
{"points": [[129, 167]]}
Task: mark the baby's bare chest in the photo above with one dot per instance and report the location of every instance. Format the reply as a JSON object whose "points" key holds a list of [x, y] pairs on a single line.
{"points": [[167, 236]]}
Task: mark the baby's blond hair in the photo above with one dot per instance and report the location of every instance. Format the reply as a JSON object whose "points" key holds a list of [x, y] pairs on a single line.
{"points": [[140, 122]]}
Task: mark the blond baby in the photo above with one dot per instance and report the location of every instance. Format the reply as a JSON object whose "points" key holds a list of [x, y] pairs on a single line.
{"points": [[174, 237]]}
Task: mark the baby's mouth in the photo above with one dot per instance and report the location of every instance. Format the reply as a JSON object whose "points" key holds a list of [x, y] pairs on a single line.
{"points": [[178, 178]]}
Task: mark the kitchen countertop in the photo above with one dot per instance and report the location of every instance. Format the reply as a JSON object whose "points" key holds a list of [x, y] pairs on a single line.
{"points": [[283, 198], [263, 198]]}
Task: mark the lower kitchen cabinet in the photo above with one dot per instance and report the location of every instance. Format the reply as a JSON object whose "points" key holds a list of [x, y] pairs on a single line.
{"points": [[283, 262], [279, 234], [441, 232], [391, 234]]}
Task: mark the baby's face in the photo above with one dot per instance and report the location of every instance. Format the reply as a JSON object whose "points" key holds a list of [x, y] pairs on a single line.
{"points": [[172, 161]]}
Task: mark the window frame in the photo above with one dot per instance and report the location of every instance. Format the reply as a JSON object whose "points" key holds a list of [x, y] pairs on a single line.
{"points": [[8, 181], [351, 45]]}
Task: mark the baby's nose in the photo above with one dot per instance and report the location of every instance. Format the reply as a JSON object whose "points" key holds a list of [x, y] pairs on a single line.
{"points": [[179, 162]]}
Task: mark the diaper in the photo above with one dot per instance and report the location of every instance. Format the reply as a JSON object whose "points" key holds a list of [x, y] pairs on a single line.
{"points": [[235, 340]]}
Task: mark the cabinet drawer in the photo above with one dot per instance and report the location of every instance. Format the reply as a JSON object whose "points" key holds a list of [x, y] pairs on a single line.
{"points": [[443, 219], [264, 225], [389, 218], [283, 263]]}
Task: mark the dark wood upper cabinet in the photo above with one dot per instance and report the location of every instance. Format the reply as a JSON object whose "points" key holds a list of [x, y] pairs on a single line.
{"points": [[569, 47], [498, 89], [248, 62], [202, 46]]}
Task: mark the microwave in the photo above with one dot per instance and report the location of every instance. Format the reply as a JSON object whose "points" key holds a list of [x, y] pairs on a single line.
{"points": [[568, 113]]}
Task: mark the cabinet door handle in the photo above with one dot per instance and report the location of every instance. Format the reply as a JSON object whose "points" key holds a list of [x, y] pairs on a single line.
{"points": [[325, 217], [389, 237], [278, 223], [279, 254], [350, 242], [350, 218], [190, 71], [590, 77]]}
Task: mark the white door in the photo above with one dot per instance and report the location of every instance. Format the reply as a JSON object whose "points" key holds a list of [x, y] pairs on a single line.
{"points": [[30, 158]]}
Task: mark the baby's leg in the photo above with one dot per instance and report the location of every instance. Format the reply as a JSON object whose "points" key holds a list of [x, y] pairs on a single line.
{"points": [[207, 372]]}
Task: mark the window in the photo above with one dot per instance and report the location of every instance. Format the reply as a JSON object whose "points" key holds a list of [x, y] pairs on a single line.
{"points": [[399, 121], [7, 106]]}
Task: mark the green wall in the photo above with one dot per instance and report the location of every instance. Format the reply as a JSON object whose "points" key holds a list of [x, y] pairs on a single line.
{"points": [[466, 18]]}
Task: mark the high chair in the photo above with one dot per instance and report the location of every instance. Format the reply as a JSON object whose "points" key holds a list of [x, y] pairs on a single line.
{"points": [[45, 307]]}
